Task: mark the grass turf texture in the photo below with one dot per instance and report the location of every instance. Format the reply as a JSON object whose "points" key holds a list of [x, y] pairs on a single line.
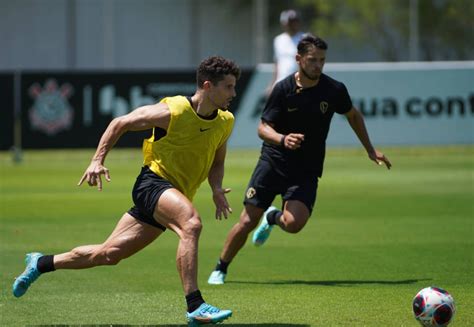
{"points": [[375, 239]]}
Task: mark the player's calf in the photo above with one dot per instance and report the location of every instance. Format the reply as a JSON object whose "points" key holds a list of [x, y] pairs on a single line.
{"points": [[292, 227]]}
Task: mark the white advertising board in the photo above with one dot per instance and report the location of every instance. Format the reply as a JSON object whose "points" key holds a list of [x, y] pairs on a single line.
{"points": [[412, 103]]}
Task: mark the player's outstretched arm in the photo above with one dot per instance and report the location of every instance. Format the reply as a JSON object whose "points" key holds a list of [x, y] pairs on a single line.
{"points": [[356, 120], [215, 177], [142, 118]]}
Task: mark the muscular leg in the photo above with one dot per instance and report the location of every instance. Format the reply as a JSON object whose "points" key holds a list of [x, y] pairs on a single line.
{"points": [[177, 213], [294, 217], [129, 237], [238, 234]]}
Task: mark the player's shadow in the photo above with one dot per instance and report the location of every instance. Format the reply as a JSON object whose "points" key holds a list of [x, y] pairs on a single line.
{"points": [[331, 282], [245, 325], [178, 325]]}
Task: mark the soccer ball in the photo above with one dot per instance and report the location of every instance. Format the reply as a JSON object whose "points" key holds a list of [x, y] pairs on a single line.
{"points": [[433, 306]]}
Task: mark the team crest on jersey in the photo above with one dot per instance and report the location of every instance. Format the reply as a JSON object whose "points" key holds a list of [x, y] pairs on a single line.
{"points": [[251, 193], [323, 106], [51, 112]]}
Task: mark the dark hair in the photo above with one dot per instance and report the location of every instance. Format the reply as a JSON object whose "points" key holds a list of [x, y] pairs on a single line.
{"points": [[214, 69], [309, 41]]}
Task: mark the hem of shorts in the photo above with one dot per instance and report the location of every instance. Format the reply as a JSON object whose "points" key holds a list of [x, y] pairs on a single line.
{"points": [[259, 205], [157, 224]]}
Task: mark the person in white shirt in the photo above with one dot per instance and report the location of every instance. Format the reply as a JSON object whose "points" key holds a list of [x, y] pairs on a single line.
{"points": [[284, 46]]}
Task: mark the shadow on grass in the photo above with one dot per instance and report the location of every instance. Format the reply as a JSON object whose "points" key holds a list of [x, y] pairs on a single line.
{"points": [[178, 325], [331, 282]]}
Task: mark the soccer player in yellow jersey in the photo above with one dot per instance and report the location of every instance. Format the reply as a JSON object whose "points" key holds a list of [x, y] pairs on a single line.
{"points": [[188, 145]]}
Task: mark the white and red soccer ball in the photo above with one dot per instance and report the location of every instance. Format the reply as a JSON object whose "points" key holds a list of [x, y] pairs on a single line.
{"points": [[433, 306]]}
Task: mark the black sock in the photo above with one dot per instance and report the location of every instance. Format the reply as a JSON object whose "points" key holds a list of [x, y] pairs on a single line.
{"points": [[273, 217], [222, 266], [194, 300], [46, 264]]}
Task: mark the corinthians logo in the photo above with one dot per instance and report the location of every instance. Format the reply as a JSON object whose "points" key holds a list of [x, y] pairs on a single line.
{"points": [[51, 112], [323, 106], [251, 193]]}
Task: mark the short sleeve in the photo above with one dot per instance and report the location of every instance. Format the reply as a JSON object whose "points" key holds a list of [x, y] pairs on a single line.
{"points": [[275, 105], [344, 102]]}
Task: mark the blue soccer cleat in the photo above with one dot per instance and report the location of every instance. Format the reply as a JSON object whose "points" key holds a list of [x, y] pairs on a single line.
{"points": [[217, 277], [31, 273], [207, 314], [262, 233]]}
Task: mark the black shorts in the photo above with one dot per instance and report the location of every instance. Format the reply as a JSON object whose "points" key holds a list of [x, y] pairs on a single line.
{"points": [[146, 192], [266, 184]]}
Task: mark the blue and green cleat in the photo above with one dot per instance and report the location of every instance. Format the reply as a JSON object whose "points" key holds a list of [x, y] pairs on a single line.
{"points": [[31, 273], [262, 233], [207, 314]]}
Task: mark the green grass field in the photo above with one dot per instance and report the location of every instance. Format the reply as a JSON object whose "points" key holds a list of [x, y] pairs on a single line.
{"points": [[375, 238]]}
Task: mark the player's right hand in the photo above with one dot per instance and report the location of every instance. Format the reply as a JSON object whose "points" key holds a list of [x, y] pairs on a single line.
{"points": [[379, 158], [293, 141], [93, 174], [220, 200]]}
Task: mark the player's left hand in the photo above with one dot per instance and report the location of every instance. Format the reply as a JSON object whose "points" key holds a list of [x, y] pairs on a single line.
{"points": [[222, 206], [379, 158]]}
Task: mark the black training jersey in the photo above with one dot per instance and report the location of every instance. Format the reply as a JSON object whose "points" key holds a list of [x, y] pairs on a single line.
{"points": [[307, 111]]}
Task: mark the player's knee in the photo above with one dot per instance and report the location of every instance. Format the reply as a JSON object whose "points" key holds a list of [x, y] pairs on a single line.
{"points": [[193, 226], [108, 257], [113, 256], [293, 227], [247, 224]]}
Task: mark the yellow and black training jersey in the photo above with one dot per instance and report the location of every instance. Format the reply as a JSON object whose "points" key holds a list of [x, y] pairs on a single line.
{"points": [[185, 154]]}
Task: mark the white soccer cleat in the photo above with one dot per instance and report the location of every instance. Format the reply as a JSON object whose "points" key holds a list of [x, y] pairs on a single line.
{"points": [[217, 278]]}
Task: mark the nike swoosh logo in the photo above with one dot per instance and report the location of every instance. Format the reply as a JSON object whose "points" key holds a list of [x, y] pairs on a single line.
{"points": [[292, 109], [204, 129]]}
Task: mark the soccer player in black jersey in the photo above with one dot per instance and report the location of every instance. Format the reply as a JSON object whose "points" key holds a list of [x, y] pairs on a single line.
{"points": [[294, 127]]}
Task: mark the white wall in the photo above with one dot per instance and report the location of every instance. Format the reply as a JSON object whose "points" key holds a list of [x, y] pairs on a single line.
{"points": [[33, 34], [122, 34], [403, 103]]}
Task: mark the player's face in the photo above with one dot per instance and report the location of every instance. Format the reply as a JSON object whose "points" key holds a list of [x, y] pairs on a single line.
{"points": [[222, 93], [312, 63]]}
